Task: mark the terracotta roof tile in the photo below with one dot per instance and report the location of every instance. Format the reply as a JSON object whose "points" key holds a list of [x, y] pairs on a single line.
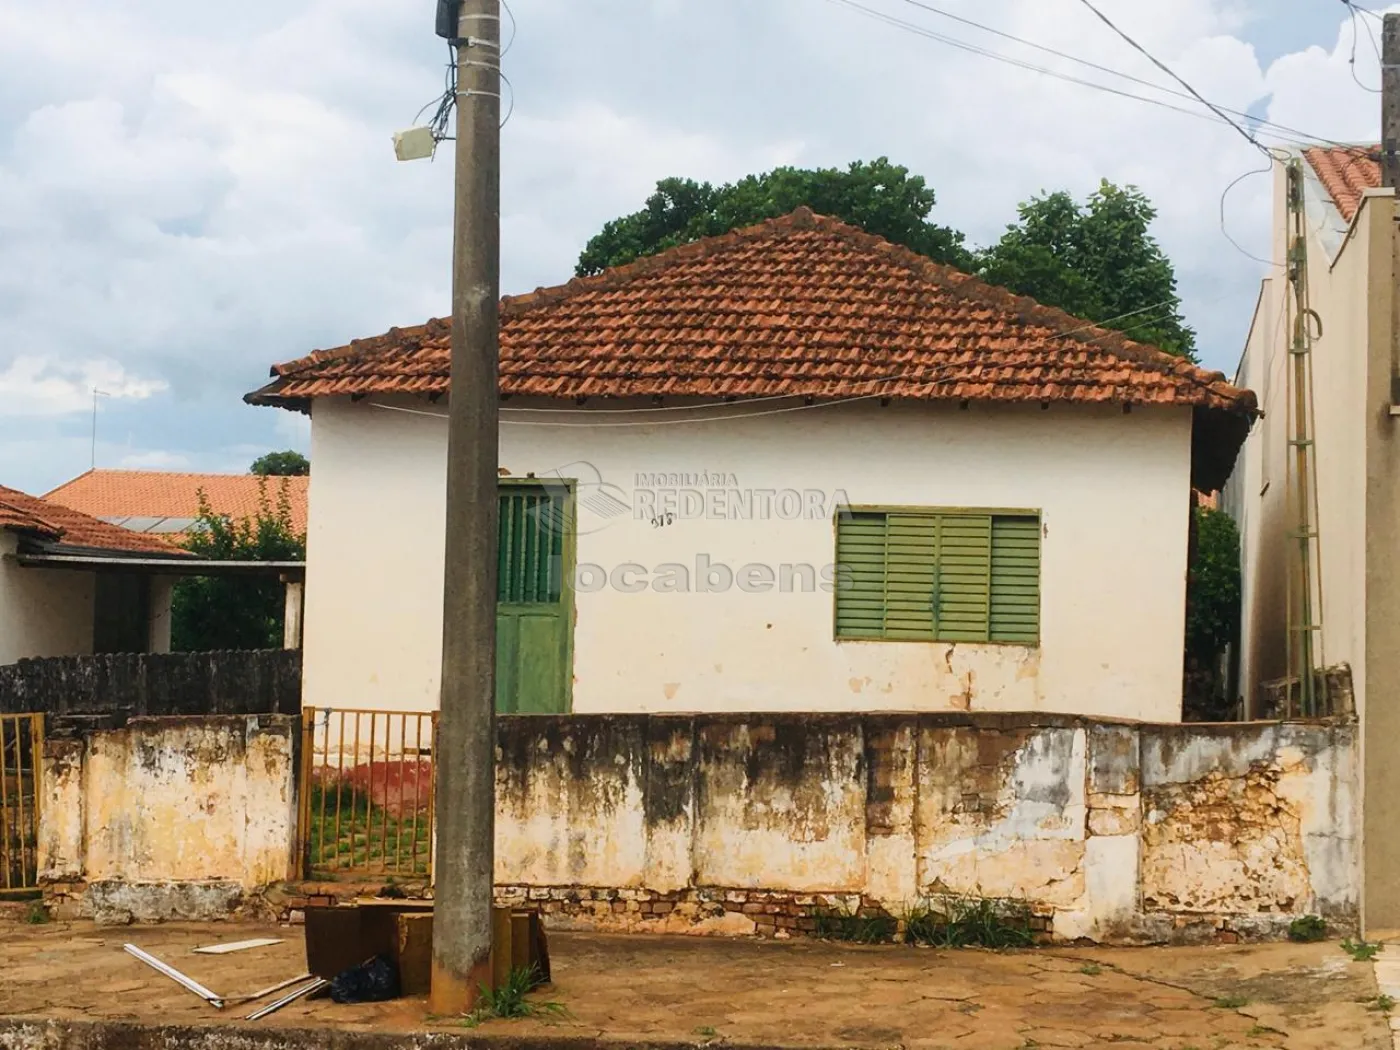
{"points": [[803, 306], [24, 513], [1346, 173], [152, 494]]}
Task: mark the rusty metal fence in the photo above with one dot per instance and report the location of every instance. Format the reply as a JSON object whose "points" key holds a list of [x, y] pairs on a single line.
{"points": [[21, 752], [366, 793]]}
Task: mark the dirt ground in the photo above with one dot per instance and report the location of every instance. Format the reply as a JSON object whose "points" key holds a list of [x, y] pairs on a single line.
{"points": [[785, 993]]}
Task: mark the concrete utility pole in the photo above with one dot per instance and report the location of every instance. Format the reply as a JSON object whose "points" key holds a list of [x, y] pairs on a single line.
{"points": [[1390, 101], [465, 748]]}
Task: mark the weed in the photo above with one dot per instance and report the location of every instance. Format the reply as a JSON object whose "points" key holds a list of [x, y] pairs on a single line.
{"points": [[36, 914], [951, 920], [1261, 1029], [851, 925], [1360, 951], [1091, 969], [509, 1002], [1230, 1002], [707, 1031], [1307, 929], [1383, 1003]]}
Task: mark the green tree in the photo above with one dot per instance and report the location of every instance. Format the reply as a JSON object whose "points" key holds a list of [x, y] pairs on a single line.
{"points": [[281, 464], [1096, 261], [1212, 612], [879, 197], [236, 612]]}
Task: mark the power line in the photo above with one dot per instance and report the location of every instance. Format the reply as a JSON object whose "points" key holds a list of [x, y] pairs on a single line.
{"points": [[1351, 62], [1167, 70], [1280, 131]]}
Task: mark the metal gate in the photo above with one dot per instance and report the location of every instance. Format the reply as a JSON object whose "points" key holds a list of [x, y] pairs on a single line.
{"points": [[21, 751], [366, 793]]}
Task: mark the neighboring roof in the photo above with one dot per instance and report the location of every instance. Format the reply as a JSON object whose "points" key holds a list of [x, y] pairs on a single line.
{"points": [[67, 528], [1346, 173], [801, 306], [168, 503]]}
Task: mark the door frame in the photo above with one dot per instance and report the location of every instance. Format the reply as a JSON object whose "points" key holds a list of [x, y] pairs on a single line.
{"points": [[566, 583]]}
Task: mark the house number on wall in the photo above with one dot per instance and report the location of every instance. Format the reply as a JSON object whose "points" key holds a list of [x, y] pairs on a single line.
{"points": [[663, 519]]}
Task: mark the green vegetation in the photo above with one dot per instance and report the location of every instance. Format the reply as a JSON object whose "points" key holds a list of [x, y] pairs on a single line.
{"points": [[281, 464], [1308, 929], [36, 914], [854, 926], [1091, 969], [349, 833], [1361, 951], [952, 920], [1230, 1002], [226, 612], [1212, 616], [1383, 1002], [509, 1001]]}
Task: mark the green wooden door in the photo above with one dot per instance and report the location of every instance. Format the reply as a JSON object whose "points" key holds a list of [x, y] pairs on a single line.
{"points": [[533, 625]]}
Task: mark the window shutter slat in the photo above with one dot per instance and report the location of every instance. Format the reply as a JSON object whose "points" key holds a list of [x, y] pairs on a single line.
{"points": [[1015, 591]]}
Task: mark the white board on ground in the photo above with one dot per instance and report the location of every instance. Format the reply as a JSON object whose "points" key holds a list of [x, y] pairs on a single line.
{"points": [[237, 946]]}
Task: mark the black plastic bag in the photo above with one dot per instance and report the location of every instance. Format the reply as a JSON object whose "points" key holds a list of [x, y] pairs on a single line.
{"points": [[370, 982]]}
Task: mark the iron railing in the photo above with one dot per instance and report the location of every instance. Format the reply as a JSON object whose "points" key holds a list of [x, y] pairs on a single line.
{"points": [[366, 793], [21, 752]]}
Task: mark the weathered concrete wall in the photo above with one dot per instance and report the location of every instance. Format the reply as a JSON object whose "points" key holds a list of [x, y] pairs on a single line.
{"points": [[1113, 831], [168, 817], [232, 682]]}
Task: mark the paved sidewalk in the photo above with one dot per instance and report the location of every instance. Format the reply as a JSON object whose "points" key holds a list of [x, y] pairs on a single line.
{"points": [[1388, 983], [744, 993]]}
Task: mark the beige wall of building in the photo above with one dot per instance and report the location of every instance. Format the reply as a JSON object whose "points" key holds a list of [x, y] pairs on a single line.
{"points": [[43, 612], [1112, 489]]}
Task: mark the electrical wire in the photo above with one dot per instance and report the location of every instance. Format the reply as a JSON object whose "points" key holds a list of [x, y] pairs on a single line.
{"points": [[1167, 70], [1272, 128], [1235, 182], [513, 28], [1351, 62]]}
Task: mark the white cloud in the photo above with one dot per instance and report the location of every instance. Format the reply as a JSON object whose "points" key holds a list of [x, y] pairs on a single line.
{"points": [[189, 193], [155, 459], [33, 387]]}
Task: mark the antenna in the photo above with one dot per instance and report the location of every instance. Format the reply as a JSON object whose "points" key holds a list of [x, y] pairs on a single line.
{"points": [[95, 395]]}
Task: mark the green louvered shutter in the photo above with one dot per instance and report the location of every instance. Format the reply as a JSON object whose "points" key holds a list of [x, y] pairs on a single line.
{"points": [[1015, 580], [964, 577], [860, 587], [910, 575]]}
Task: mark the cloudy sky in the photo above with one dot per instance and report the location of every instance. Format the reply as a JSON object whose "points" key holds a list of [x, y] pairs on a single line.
{"points": [[190, 192]]}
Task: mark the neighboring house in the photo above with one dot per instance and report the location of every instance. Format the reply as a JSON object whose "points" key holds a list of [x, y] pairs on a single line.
{"points": [[1350, 244], [71, 585], [692, 444], [167, 503]]}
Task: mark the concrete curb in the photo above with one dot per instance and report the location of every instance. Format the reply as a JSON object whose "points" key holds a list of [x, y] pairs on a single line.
{"points": [[36, 1033]]}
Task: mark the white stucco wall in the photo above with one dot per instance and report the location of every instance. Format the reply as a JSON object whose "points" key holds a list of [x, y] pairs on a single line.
{"points": [[43, 612], [1112, 489]]}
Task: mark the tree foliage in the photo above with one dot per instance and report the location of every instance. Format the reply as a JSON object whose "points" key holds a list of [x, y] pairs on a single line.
{"points": [[281, 464], [236, 612], [879, 197], [1212, 610], [1096, 261]]}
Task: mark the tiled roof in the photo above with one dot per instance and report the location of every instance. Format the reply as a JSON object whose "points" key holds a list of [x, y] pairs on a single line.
{"points": [[1346, 173], [803, 306], [21, 512], [156, 501]]}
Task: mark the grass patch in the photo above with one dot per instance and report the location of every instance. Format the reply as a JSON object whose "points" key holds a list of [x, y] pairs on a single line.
{"points": [[707, 1031], [1382, 1002], [1091, 969], [1361, 951], [1307, 929], [36, 914], [349, 833], [1230, 1002], [854, 926], [509, 1001], [952, 920]]}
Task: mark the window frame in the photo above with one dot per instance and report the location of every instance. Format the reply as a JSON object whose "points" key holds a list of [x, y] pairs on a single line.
{"points": [[1038, 514]]}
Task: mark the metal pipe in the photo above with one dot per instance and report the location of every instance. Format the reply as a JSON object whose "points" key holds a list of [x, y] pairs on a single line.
{"points": [[288, 999], [175, 975]]}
